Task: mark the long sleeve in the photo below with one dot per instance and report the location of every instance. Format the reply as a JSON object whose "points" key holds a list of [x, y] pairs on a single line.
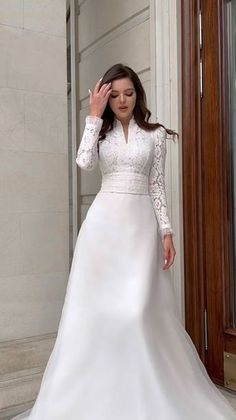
{"points": [[87, 155], [157, 188]]}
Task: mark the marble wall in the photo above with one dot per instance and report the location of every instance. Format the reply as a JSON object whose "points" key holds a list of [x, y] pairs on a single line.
{"points": [[33, 192]]}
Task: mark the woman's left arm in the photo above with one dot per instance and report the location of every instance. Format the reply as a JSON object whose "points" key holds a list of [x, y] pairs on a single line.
{"points": [[157, 192]]}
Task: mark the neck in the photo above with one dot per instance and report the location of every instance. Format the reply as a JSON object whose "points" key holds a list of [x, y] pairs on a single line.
{"points": [[125, 122]]}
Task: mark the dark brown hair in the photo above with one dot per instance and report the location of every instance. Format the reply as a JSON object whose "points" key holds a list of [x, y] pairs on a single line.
{"points": [[141, 112]]}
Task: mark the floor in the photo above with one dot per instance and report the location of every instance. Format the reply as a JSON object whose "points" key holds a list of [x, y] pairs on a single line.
{"points": [[230, 395]]}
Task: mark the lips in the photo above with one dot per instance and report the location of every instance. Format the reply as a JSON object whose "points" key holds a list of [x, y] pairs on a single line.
{"points": [[123, 107]]}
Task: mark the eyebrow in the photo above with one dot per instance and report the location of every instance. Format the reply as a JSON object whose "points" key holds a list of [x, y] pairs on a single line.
{"points": [[124, 90]]}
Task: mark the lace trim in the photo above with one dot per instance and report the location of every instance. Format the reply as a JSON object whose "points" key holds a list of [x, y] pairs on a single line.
{"points": [[92, 119], [166, 231]]}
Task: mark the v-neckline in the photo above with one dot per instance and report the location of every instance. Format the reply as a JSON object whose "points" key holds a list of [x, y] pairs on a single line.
{"points": [[126, 141], [132, 122]]}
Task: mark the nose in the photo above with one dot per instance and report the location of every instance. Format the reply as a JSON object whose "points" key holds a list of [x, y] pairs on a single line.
{"points": [[122, 98]]}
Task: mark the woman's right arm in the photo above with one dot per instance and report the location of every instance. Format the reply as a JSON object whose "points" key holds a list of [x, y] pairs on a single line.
{"points": [[87, 155]]}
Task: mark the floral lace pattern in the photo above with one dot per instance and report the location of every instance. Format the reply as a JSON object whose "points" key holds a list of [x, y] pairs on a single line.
{"points": [[87, 155], [134, 166], [157, 188]]}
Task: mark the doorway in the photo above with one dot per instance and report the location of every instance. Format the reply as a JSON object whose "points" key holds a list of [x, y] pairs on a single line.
{"points": [[209, 187]]}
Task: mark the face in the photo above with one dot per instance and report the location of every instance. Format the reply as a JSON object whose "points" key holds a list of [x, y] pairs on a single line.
{"points": [[122, 99]]}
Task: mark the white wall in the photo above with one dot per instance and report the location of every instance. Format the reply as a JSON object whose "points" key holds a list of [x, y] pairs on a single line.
{"points": [[166, 66], [33, 190]]}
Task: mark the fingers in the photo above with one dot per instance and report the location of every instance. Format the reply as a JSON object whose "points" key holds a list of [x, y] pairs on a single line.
{"points": [[96, 88], [99, 97], [170, 262], [90, 96], [167, 264], [107, 90], [169, 256], [102, 90]]}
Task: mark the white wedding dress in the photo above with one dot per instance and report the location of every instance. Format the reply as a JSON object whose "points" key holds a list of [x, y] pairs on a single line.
{"points": [[122, 352]]}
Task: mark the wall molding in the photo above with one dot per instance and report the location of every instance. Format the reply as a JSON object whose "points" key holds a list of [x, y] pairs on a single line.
{"points": [[165, 32], [72, 5], [126, 25]]}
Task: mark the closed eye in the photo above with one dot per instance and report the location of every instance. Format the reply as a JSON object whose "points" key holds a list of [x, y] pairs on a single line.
{"points": [[127, 94]]}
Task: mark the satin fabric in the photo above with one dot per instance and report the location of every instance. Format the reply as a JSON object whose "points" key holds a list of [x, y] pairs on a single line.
{"points": [[122, 352]]}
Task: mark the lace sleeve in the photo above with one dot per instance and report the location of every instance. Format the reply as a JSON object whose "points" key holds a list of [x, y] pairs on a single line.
{"points": [[157, 189], [87, 155]]}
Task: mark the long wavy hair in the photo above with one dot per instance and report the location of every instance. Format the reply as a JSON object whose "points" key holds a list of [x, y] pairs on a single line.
{"points": [[141, 113]]}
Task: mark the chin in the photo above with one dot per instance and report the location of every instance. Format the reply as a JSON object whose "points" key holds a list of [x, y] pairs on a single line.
{"points": [[123, 114]]}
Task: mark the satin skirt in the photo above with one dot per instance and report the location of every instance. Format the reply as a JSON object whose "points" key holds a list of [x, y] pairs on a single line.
{"points": [[122, 352]]}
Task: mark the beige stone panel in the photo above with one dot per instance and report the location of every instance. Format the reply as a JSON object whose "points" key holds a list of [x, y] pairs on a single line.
{"points": [[3, 63], [11, 119], [36, 61], [84, 210], [22, 362], [96, 19], [31, 304], [10, 245], [47, 16], [131, 48], [8, 37], [33, 182], [44, 242], [10, 410], [83, 114], [18, 392], [90, 181], [26, 355], [46, 123], [11, 12]]}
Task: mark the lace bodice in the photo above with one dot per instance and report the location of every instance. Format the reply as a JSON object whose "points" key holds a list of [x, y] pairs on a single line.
{"points": [[135, 166]]}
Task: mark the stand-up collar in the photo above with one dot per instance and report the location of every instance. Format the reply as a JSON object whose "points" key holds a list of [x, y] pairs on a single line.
{"points": [[118, 124]]}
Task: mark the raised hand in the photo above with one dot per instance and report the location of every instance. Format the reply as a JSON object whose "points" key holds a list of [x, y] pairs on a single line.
{"points": [[98, 98]]}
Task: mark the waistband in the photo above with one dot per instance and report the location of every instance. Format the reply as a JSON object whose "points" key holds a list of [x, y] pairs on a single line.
{"points": [[125, 182]]}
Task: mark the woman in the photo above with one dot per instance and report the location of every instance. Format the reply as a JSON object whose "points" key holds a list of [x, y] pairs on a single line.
{"points": [[121, 351]]}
